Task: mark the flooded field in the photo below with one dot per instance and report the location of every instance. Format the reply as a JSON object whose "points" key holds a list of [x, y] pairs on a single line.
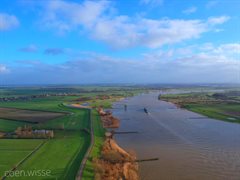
{"points": [[188, 145]]}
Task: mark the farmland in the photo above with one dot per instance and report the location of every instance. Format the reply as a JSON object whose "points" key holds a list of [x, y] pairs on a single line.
{"points": [[28, 115], [223, 106], [13, 151], [62, 155]]}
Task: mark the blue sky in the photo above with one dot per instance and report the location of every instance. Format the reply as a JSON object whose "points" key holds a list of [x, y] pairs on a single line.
{"points": [[146, 41]]}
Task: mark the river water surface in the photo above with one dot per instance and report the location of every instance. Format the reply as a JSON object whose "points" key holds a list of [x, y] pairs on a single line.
{"points": [[188, 145]]}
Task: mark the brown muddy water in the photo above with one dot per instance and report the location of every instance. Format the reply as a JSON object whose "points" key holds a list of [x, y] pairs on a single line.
{"points": [[189, 146]]}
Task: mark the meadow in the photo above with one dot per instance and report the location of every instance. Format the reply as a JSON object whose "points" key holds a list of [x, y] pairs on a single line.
{"points": [[222, 106], [12, 151], [61, 155], [10, 126]]}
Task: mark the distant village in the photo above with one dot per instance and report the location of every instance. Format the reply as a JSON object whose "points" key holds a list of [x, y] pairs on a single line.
{"points": [[28, 98], [31, 97]]}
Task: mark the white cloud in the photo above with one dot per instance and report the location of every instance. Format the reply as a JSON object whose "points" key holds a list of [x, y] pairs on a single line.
{"points": [[161, 32], [190, 10], [228, 51], [3, 69], [8, 22], [218, 20], [119, 31], [66, 16], [122, 31]]}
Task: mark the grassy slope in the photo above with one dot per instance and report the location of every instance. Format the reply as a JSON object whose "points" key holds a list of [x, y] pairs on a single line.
{"points": [[88, 173], [13, 151]]}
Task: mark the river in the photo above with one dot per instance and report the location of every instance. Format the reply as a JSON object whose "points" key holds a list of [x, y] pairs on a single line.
{"points": [[189, 146]]}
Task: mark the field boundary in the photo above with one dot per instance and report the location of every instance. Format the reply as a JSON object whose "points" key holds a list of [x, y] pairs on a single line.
{"points": [[15, 120]]}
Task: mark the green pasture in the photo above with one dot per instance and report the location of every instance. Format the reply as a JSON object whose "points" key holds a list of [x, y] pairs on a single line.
{"points": [[226, 112], [61, 155], [12, 151]]}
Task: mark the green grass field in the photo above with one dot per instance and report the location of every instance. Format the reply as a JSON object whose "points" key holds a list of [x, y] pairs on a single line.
{"points": [[10, 126], [217, 111], [63, 154], [76, 119], [223, 106], [59, 155], [12, 151], [47, 104]]}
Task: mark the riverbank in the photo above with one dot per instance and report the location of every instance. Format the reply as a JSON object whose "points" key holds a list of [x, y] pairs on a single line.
{"points": [[107, 159], [108, 120], [114, 162], [221, 106]]}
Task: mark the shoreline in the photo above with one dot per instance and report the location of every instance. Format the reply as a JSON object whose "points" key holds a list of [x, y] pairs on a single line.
{"points": [[181, 105], [115, 162]]}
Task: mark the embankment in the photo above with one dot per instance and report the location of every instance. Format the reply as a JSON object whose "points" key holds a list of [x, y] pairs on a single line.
{"points": [[114, 162]]}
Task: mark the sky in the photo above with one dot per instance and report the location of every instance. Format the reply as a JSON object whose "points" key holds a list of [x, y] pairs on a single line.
{"points": [[127, 41]]}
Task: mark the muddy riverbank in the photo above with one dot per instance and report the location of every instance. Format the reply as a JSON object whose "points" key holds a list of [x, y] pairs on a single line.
{"points": [[114, 162]]}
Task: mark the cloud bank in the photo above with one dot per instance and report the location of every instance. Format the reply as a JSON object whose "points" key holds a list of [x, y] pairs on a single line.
{"points": [[122, 31], [175, 66]]}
